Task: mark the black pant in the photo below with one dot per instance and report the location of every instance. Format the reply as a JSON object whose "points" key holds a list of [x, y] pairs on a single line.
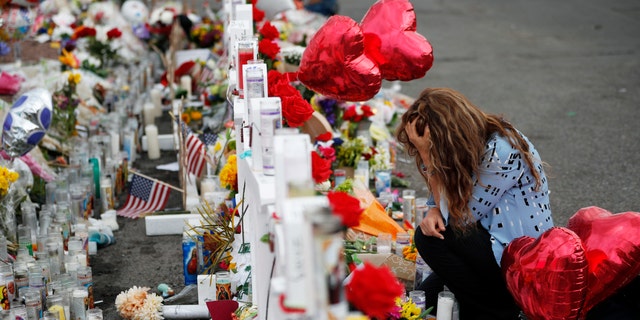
{"points": [[466, 265]]}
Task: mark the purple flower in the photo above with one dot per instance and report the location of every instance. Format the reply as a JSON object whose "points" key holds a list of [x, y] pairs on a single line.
{"points": [[141, 31], [68, 44], [4, 48], [328, 108]]}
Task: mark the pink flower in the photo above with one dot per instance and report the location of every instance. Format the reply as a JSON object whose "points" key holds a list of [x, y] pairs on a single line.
{"points": [[328, 153]]}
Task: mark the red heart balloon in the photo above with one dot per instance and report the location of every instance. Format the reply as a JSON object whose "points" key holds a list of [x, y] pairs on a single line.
{"points": [[547, 276], [335, 64], [392, 24], [612, 245]]}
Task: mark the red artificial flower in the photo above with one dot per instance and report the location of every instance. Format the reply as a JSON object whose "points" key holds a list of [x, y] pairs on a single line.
{"points": [[320, 168], [373, 290], [82, 31], [345, 206], [356, 114], [268, 31], [368, 156], [269, 48], [295, 109], [183, 70], [325, 136], [114, 33], [258, 15]]}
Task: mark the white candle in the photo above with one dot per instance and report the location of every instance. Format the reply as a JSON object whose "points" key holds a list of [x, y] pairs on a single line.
{"points": [[156, 99], [115, 145], [445, 306], [207, 185], [153, 148], [149, 113], [185, 83]]}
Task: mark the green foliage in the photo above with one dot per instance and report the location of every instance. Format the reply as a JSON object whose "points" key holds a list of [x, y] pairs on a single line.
{"points": [[349, 153], [346, 186]]}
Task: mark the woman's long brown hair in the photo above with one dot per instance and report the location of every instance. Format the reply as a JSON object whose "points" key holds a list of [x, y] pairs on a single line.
{"points": [[459, 131]]}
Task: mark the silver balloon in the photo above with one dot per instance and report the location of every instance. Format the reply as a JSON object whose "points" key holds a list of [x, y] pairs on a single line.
{"points": [[27, 122]]}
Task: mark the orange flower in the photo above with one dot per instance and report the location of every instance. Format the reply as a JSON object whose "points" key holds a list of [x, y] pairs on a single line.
{"points": [[195, 115], [186, 118], [69, 59]]}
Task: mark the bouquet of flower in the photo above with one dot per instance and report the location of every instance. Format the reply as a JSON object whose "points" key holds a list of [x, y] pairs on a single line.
{"points": [[7, 203], [138, 304], [408, 310], [229, 175], [65, 102], [206, 34], [350, 152]]}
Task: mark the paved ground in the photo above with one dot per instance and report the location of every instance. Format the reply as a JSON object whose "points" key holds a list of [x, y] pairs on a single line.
{"points": [[566, 73]]}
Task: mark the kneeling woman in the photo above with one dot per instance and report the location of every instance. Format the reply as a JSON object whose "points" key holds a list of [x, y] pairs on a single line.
{"points": [[487, 188]]}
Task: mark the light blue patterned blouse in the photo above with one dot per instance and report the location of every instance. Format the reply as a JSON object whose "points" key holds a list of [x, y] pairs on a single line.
{"points": [[504, 199]]}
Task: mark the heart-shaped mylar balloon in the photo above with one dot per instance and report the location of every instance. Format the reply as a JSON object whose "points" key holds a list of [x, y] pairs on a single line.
{"points": [[27, 122], [612, 245], [547, 276], [391, 24], [335, 64]]}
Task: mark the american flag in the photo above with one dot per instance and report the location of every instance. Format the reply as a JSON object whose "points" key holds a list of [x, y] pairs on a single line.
{"points": [[145, 196], [194, 149], [209, 139]]}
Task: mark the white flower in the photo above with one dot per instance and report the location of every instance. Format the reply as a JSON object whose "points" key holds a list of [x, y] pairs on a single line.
{"points": [[166, 17], [323, 186], [137, 304]]}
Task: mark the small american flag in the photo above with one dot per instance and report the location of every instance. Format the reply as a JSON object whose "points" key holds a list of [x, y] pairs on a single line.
{"points": [[194, 149], [209, 139], [145, 196]]}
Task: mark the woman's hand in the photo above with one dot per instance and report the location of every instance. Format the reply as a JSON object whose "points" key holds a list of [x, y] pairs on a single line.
{"points": [[433, 224], [422, 143]]}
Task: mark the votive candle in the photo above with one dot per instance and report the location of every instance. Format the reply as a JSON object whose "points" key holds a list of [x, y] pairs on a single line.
{"points": [[185, 83], [153, 147], [156, 99], [149, 113]]}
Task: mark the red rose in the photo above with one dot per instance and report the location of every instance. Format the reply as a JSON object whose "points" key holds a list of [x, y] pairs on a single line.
{"points": [[258, 14], [366, 111], [269, 48], [325, 137], [367, 294], [268, 31], [320, 168], [295, 110], [82, 31], [355, 113], [345, 206], [114, 33]]}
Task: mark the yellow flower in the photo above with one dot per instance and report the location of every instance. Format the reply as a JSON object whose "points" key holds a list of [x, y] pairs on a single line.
{"points": [[229, 173], [217, 147], [74, 78], [7, 177], [410, 310]]}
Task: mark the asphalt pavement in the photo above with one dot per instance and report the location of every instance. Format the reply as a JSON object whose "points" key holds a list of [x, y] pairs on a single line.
{"points": [[566, 73]]}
